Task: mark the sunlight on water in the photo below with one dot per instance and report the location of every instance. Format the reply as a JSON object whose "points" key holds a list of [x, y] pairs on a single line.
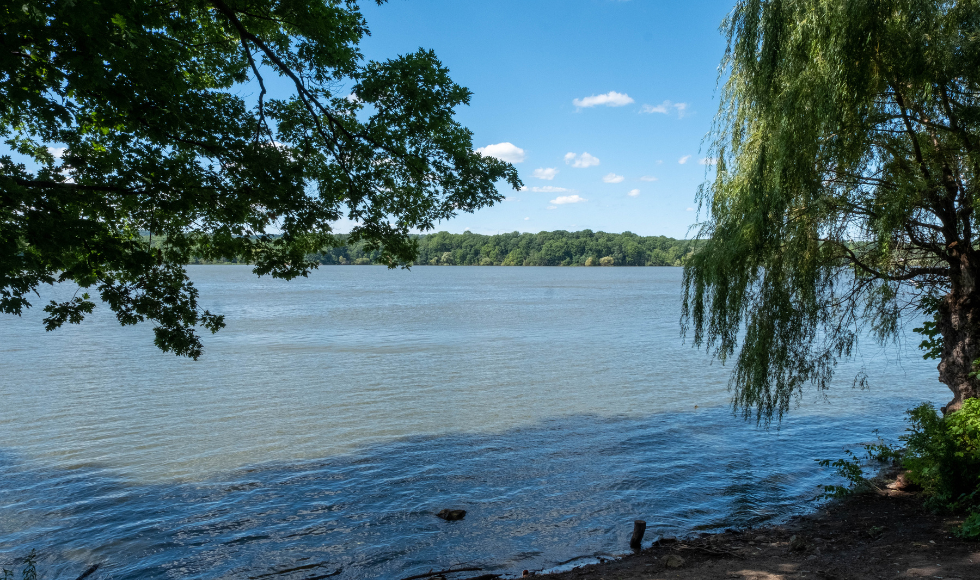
{"points": [[335, 415]]}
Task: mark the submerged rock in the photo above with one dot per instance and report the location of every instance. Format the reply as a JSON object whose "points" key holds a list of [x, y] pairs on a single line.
{"points": [[451, 515]]}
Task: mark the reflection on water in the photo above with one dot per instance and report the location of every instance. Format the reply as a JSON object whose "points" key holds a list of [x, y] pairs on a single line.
{"points": [[335, 416]]}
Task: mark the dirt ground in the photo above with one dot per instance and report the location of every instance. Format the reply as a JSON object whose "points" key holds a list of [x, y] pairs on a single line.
{"points": [[884, 535]]}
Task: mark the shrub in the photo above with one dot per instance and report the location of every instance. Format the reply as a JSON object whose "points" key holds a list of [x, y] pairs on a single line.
{"points": [[970, 527], [943, 455]]}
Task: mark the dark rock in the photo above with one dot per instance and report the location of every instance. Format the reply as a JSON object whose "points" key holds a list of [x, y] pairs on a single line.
{"points": [[451, 515], [673, 561]]}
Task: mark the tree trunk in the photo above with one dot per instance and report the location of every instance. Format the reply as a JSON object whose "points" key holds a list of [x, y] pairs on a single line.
{"points": [[959, 323]]}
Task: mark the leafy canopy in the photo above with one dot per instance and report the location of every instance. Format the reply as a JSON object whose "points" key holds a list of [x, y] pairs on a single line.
{"points": [[124, 118], [847, 155]]}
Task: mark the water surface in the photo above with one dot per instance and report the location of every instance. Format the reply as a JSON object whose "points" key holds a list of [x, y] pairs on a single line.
{"points": [[335, 415]]}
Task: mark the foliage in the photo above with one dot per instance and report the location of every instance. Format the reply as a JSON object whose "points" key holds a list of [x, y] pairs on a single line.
{"points": [[932, 339], [847, 147], [852, 468], [943, 455], [229, 128], [970, 528], [558, 248]]}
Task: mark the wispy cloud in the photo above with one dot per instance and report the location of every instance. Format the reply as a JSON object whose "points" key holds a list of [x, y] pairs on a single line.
{"points": [[610, 99], [527, 218], [648, 178], [708, 161], [633, 193], [549, 189], [580, 161], [684, 159], [548, 173], [665, 108], [690, 209], [613, 178], [503, 151], [563, 199], [552, 207]]}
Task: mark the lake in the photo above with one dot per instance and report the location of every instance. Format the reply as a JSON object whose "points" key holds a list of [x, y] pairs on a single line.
{"points": [[331, 420]]}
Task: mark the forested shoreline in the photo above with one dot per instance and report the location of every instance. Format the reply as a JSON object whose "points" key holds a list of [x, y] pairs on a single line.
{"points": [[557, 248]]}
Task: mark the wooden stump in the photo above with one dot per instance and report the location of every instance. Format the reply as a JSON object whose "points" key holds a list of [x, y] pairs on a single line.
{"points": [[639, 528]]}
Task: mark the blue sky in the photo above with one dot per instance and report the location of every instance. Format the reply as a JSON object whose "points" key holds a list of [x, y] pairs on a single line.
{"points": [[650, 68], [602, 105]]}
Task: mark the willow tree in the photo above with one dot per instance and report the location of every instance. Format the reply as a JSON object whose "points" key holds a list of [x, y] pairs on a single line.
{"points": [[847, 147], [139, 132]]}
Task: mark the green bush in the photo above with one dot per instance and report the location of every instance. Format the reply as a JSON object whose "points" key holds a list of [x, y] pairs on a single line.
{"points": [[970, 527], [943, 455]]}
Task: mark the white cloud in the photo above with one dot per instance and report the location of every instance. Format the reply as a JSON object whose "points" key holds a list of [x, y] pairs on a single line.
{"points": [[665, 108], [613, 178], [563, 199], [633, 193], [690, 209], [552, 207], [708, 161], [353, 98], [527, 218], [549, 189], [548, 173], [57, 151], [523, 188], [610, 99], [655, 109], [684, 159], [503, 151], [648, 178], [580, 161]]}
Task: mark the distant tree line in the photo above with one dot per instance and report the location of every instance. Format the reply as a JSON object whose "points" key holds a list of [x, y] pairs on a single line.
{"points": [[558, 248]]}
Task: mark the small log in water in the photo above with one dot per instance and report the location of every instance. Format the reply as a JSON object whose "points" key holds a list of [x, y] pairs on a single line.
{"points": [[639, 528]]}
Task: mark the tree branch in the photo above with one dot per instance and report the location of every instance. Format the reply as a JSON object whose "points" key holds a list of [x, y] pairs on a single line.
{"points": [[910, 274]]}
